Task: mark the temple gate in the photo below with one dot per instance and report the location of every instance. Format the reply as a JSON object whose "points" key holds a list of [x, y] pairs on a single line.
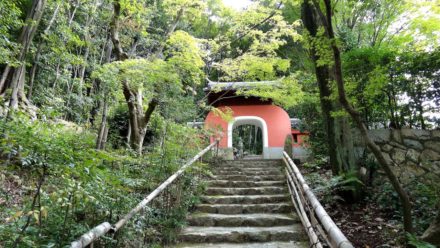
{"points": [[272, 122]]}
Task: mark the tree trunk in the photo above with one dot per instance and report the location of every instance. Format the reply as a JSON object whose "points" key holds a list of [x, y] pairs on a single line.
{"points": [[103, 126], [36, 59], [339, 141], [87, 39], [5, 74], [82, 73], [326, 20], [106, 55], [138, 119], [17, 83], [104, 137]]}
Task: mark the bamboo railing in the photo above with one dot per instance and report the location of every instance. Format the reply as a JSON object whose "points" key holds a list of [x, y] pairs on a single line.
{"points": [[100, 230], [320, 228]]}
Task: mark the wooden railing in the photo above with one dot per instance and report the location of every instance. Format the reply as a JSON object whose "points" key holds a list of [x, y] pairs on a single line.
{"points": [[320, 228], [100, 230]]}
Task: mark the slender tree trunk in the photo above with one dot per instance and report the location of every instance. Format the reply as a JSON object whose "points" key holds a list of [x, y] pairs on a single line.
{"points": [[105, 57], [5, 74], [83, 72], [419, 107], [103, 126], [104, 137], [169, 32], [36, 59], [326, 20], [86, 55], [57, 75], [32, 74]]}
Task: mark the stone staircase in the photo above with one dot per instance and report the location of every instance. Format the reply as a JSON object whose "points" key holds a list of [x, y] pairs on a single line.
{"points": [[246, 204]]}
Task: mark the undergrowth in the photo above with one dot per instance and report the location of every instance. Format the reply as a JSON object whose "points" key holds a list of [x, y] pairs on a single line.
{"points": [[54, 185]]}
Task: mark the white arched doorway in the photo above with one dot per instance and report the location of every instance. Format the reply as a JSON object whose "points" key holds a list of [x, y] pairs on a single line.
{"points": [[249, 120]]}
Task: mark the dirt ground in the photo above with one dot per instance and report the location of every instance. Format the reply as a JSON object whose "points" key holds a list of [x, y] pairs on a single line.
{"points": [[365, 225]]}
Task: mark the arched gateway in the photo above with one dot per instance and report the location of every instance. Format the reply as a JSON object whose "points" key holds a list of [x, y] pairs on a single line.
{"points": [[272, 121]]}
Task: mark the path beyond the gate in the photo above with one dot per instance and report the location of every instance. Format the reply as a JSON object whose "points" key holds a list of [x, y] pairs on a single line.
{"points": [[246, 204]]}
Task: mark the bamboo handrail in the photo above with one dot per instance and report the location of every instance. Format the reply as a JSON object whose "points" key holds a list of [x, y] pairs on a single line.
{"points": [[300, 209], [105, 227], [336, 239]]}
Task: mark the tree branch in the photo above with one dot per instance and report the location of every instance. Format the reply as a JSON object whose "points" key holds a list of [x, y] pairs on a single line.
{"points": [[114, 32]]}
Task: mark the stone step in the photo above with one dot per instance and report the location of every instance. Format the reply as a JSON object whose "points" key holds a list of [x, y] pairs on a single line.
{"points": [[283, 207], [235, 220], [286, 244], [250, 178], [236, 168], [232, 183], [245, 167], [248, 166], [200, 234], [248, 172], [246, 191], [244, 199], [253, 161]]}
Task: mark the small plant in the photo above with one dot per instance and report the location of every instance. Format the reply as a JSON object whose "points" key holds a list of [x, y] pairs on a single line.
{"points": [[319, 162], [335, 188], [414, 241]]}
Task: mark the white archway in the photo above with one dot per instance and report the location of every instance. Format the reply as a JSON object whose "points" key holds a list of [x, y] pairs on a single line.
{"points": [[249, 120]]}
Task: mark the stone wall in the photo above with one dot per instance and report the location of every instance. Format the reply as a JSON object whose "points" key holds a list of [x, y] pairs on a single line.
{"points": [[412, 152]]}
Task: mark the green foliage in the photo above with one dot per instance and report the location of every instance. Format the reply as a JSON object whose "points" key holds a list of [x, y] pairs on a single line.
{"points": [[251, 137], [414, 241], [184, 55], [390, 60], [322, 46], [286, 93], [253, 68], [424, 197], [84, 187], [382, 80], [9, 23], [151, 77], [329, 191]]}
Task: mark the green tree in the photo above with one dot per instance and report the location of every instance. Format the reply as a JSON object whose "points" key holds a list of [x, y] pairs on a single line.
{"points": [[324, 13], [16, 81]]}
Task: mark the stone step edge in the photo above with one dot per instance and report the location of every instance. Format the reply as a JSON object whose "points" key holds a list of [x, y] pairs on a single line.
{"points": [[203, 234], [273, 244]]}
